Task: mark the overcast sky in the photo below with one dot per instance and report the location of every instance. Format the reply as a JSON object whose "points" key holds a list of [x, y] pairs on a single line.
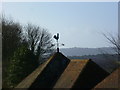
{"points": [[80, 24]]}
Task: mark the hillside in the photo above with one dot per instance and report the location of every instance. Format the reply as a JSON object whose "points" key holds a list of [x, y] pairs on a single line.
{"points": [[105, 56], [86, 51]]}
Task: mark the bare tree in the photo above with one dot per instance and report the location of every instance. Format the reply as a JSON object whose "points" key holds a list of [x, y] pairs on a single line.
{"points": [[39, 41], [115, 41], [45, 47], [31, 36]]}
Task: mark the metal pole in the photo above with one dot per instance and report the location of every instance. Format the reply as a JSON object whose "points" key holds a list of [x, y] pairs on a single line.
{"points": [[57, 46]]}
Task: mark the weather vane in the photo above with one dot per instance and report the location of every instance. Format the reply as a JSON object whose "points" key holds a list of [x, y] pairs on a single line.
{"points": [[57, 37]]}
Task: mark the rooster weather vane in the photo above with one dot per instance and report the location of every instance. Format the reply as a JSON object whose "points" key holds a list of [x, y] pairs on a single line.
{"points": [[57, 37]]}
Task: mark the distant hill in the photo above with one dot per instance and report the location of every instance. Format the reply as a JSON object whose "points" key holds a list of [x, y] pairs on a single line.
{"points": [[86, 51], [105, 57]]}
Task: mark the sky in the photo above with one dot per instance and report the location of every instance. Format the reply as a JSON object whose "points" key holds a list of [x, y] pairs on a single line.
{"points": [[80, 24]]}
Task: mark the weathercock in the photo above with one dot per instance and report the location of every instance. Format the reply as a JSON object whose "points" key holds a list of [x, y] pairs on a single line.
{"points": [[57, 37]]}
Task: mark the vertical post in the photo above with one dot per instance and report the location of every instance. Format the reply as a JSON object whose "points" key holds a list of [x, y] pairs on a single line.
{"points": [[57, 46], [57, 37]]}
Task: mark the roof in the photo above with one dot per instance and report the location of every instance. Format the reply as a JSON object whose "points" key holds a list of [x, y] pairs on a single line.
{"points": [[60, 72], [70, 74], [112, 81], [47, 73], [27, 82], [81, 74]]}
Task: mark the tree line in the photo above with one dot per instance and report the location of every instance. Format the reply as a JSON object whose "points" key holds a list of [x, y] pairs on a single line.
{"points": [[24, 48]]}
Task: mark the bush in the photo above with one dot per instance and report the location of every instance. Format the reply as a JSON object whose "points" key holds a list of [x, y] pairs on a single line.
{"points": [[22, 64]]}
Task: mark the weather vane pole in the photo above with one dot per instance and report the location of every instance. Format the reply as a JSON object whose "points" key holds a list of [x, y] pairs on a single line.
{"points": [[57, 37]]}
